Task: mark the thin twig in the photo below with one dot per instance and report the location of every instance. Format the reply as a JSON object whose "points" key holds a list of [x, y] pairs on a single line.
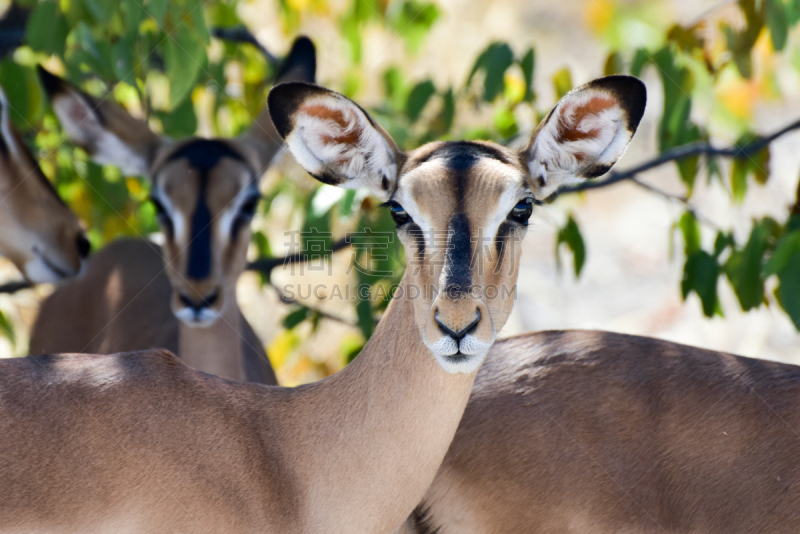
{"points": [[240, 34], [681, 152], [286, 299], [678, 198], [266, 265]]}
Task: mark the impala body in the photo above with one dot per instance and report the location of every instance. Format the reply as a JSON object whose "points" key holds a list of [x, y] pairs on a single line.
{"points": [[184, 298], [141, 442], [586, 431]]}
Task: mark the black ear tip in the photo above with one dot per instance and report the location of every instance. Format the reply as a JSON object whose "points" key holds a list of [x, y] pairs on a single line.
{"points": [[630, 91], [52, 83], [284, 99], [303, 56]]}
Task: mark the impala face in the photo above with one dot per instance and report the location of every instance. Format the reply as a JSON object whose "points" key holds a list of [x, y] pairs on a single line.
{"points": [[205, 191], [40, 235], [460, 207]]}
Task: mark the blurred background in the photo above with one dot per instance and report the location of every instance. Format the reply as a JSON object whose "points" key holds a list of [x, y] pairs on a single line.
{"points": [[703, 251]]}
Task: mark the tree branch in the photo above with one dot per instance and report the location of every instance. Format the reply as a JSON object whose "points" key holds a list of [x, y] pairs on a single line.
{"points": [[286, 299], [266, 265], [240, 34], [677, 153]]}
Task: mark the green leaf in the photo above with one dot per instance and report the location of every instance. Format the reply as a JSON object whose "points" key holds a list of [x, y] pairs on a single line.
{"points": [[788, 292], [184, 56], [778, 23], [562, 81], [7, 329], [787, 246], [157, 9], [295, 318], [743, 268], [417, 99], [690, 229], [614, 64], [123, 60], [700, 275], [364, 314], [527, 64], [640, 58], [412, 20], [181, 121], [394, 87], [46, 30], [570, 235], [498, 59], [25, 97], [100, 10]]}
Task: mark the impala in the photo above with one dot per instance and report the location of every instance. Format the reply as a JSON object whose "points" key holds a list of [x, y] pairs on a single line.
{"points": [[40, 235], [205, 192], [587, 431], [140, 442]]}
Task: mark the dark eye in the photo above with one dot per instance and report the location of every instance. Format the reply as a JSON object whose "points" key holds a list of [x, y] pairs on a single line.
{"points": [[248, 209], [522, 211], [399, 215]]}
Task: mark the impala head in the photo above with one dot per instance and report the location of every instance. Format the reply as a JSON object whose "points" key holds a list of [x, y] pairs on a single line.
{"points": [[205, 191], [40, 235], [461, 207]]}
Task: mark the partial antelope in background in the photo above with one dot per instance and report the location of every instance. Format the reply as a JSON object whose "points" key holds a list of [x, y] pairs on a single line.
{"points": [[140, 442], [38, 232], [585, 431], [205, 192]]}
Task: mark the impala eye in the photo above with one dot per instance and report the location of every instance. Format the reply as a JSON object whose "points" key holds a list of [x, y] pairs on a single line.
{"points": [[399, 215], [248, 208], [522, 211]]}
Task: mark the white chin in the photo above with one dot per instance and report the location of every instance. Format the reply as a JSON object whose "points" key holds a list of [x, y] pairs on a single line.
{"points": [[205, 318], [462, 357], [38, 272]]}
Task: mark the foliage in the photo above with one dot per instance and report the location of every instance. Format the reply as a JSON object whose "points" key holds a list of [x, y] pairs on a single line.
{"points": [[158, 59]]}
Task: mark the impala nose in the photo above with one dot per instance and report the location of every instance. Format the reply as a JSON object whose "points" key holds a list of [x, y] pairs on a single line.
{"points": [[197, 305], [83, 245], [461, 332]]}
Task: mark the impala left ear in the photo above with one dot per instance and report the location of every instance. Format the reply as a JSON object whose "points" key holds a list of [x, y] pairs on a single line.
{"points": [[585, 133]]}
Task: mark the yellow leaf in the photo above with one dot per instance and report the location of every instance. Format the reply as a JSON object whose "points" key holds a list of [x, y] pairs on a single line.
{"points": [[599, 14]]}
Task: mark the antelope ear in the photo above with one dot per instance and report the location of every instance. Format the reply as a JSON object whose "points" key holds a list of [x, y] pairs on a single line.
{"points": [[585, 133], [333, 139], [300, 65], [106, 131]]}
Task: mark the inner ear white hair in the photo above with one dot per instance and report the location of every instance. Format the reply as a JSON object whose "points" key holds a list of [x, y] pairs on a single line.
{"points": [[334, 139], [585, 133]]}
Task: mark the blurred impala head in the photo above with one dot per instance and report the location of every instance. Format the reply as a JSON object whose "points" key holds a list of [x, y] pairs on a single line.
{"points": [[205, 191], [40, 235]]}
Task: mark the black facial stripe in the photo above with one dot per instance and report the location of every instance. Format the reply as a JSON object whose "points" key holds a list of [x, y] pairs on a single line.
{"points": [[457, 261], [204, 154], [200, 246], [461, 155], [4, 147]]}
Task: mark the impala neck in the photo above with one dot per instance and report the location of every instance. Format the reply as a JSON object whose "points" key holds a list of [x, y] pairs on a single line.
{"points": [[216, 349], [386, 422]]}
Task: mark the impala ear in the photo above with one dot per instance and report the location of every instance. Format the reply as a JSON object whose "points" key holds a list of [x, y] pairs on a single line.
{"points": [[585, 133], [333, 139], [106, 131], [300, 65]]}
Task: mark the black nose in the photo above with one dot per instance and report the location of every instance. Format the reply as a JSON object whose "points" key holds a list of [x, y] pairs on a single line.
{"points": [[83, 245], [205, 302], [461, 333]]}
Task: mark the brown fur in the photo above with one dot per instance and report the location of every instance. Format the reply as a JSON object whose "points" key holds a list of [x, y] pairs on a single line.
{"points": [[35, 222], [587, 431]]}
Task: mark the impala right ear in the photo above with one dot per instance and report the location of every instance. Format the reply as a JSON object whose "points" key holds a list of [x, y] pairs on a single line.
{"points": [[105, 130], [333, 139]]}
